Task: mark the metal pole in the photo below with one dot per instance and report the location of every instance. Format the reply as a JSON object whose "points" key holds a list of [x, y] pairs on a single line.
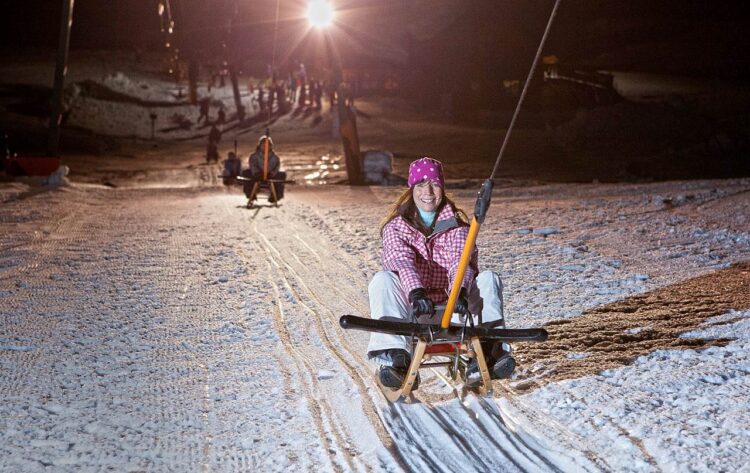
{"points": [[233, 61], [66, 21]]}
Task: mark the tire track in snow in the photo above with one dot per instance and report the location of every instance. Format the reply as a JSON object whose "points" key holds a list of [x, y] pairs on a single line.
{"points": [[242, 385], [498, 426], [326, 416], [205, 382], [179, 247], [434, 425], [291, 382]]}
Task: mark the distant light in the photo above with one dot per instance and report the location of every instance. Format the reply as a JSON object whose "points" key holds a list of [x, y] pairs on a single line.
{"points": [[320, 13]]}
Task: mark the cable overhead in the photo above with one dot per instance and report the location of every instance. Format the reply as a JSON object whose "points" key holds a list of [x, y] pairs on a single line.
{"points": [[482, 204], [275, 35], [273, 60]]}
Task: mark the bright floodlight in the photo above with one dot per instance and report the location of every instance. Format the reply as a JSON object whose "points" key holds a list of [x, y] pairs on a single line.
{"points": [[320, 13]]}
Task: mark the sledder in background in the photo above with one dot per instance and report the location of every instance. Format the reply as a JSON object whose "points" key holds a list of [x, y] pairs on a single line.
{"points": [[263, 168], [232, 168], [423, 237]]}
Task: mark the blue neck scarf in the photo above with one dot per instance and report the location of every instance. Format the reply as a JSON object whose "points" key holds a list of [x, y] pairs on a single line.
{"points": [[427, 217]]}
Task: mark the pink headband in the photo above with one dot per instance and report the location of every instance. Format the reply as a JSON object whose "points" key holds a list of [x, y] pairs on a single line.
{"points": [[426, 168]]}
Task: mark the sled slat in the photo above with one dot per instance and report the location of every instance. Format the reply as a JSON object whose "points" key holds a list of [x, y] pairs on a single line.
{"points": [[434, 332]]}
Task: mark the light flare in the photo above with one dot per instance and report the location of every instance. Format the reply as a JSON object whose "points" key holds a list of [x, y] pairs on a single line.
{"points": [[320, 13]]}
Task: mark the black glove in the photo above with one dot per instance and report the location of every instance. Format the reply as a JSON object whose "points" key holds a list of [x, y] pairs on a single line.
{"points": [[462, 303], [420, 303]]}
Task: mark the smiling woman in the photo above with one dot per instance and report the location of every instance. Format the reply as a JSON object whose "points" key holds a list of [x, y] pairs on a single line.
{"points": [[423, 237], [320, 13], [426, 177]]}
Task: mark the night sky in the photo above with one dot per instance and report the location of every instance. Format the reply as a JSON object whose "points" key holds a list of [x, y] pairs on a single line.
{"points": [[696, 38]]}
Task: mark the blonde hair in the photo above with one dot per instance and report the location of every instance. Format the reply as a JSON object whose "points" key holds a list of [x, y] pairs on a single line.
{"points": [[405, 208]]}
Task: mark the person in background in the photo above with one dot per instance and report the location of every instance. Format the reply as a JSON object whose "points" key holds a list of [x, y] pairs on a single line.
{"points": [[203, 105], [262, 98], [315, 94], [291, 85], [212, 150], [4, 150], [232, 168]]}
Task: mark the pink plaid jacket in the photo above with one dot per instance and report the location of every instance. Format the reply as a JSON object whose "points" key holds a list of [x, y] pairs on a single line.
{"points": [[429, 262]]}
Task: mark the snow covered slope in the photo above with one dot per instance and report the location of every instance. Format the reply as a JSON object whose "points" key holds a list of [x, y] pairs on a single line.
{"points": [[174, 330]]}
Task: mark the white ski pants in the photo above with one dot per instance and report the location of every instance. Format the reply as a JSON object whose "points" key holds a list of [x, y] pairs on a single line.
{"points": [[388, 299]]}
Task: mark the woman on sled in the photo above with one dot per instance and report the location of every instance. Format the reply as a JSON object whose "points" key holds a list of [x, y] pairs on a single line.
{"points": [[423, 236]]}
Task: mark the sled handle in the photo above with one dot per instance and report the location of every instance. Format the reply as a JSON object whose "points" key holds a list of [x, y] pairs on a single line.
{"points": [[434, 333], [480, 212]]}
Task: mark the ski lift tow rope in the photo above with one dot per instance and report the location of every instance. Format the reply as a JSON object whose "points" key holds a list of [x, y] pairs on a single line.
{"points": [[483, 199]]}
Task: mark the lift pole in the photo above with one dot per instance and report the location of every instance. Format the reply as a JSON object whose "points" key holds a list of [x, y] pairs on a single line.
{"points": [[66, 21]]}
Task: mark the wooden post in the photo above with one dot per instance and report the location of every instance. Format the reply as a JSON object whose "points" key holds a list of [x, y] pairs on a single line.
{"points": [[236, 90], [349, 136]]}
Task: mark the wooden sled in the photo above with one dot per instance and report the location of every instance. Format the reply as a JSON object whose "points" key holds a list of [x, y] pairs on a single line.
{"points": [[268, 185], [460, 344]]}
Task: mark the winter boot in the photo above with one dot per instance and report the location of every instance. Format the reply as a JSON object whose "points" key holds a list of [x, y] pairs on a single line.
{"points": [[393, 376], [499, 362]]}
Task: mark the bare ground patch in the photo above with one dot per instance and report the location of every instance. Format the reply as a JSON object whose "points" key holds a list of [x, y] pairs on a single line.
{"points": [[613, 335]]}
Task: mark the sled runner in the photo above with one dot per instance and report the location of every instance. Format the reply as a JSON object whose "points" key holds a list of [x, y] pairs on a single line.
{"points": [[456, 345], [267, 185]]}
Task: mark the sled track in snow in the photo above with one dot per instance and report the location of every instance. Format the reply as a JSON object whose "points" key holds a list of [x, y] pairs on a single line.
{"points": [[282, 271], [502, 441], [323, 420]]}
